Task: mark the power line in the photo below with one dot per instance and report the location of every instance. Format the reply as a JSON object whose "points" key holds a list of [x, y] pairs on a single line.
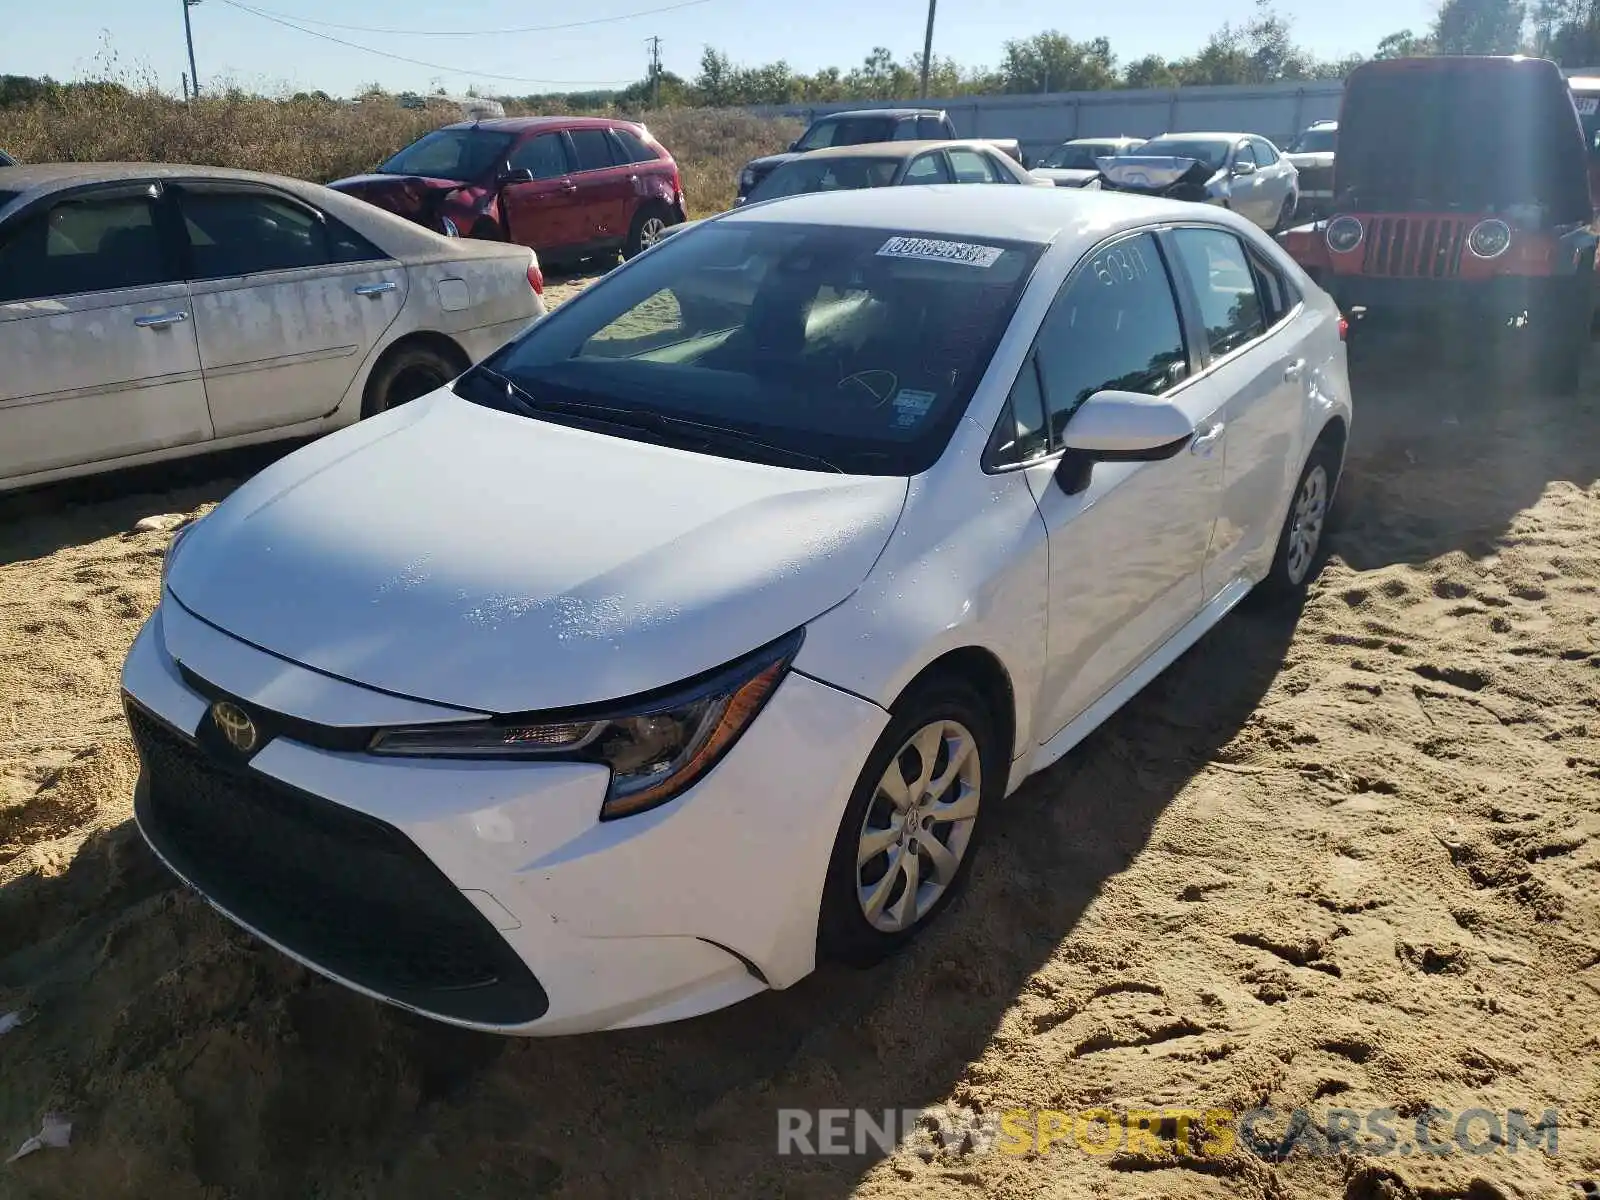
{"points": [[646, 12], [655, 71], [417, 62]]}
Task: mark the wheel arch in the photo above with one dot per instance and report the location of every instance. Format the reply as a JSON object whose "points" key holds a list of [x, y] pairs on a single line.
{"points": [[982, 669], [441, 343]]}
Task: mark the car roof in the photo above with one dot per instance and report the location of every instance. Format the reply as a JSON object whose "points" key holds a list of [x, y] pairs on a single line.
{"points": [[1204, 135], [897, 149], [50, 176], [1025, 214], [880, 112], [523, 124]]}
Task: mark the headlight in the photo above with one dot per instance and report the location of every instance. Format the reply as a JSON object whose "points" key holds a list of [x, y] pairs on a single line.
{"points": [[657, 746], [747, 178], [172, 547], [1344, 234], [1489, 239]]}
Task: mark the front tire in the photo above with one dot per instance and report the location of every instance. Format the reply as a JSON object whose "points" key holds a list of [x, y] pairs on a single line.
{"points": [[1301, 541], [912, 826]]}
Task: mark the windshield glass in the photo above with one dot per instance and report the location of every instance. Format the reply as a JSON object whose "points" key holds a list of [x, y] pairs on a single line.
{"points": [[828, 175], [459, 154], [1314, 141], [1212, 153], [856, 347], [1078, 156], [1427, 138], [1588, 105], [848, 131]]}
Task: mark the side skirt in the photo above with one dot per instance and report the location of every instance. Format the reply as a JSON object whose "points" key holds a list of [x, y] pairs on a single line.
{"points": [[1133, 683]]}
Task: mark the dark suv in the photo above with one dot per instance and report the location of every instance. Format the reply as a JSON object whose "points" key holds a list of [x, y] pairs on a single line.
{"points": [[853, 129], [1461, 197], [570, 187]]}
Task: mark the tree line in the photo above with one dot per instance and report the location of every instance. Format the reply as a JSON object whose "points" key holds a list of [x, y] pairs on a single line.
{"points": [[1259, 50]]}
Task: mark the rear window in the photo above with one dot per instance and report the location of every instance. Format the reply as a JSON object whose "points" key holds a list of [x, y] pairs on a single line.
{"points": [[830, 175], [858, 347], [848, 131]]}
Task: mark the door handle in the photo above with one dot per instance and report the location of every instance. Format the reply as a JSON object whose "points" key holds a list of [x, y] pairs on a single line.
{"points": [[569, 186], [376, 289], [161, 320], [1293, 371], [1205, 440]]}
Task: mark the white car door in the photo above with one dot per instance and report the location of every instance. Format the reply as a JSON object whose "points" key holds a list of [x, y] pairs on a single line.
{"points": [[1248, 194], [98, 358], [1281, 178], [1258, 363], [1127, 552], [287, 304]]}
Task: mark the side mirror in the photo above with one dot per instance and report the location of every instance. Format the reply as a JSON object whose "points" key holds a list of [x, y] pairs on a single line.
{"points": [[1112, 426], [521, 175], [1244, 168], [794, 146]]}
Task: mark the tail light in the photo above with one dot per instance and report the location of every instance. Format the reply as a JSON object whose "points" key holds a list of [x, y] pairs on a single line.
{"points": [[1344, 328], [535, 276]]}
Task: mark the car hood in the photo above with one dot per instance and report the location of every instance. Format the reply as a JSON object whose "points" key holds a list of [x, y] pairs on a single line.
{"points": [[453, 553], [1069, 176], [407, 195], [1136, 172]]}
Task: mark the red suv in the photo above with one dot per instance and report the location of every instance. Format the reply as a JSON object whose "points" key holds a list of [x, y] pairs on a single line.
{"points": [[570, 187]]}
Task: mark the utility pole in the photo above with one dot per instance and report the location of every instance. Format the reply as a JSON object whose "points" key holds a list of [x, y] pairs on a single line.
{"points": [[655, 72], [927, 49], [188, 33]]}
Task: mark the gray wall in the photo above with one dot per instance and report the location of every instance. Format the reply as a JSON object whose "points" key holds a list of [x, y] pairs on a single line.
{"points": [[1274, 110], [1277, 111]]}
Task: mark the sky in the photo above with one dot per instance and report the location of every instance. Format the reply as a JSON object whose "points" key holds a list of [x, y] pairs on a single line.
{"points": [[141, 40]]}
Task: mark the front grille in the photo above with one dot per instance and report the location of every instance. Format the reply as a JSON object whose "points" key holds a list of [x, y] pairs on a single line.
{"points": [[1408, 247], [346, 891]]}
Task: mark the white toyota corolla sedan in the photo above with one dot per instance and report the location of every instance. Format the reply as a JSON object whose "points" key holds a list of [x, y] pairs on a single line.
{"points": [[694, 635]]}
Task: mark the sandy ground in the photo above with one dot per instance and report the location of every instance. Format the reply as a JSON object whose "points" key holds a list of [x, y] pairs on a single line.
{"points": [[1347, 859]]}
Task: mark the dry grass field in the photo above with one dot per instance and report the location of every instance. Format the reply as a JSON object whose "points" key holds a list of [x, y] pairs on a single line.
{"points": [[1349, 857], [323, 140]]}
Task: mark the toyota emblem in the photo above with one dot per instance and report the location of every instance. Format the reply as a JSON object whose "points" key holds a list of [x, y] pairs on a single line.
{"points": [[235, 725]]}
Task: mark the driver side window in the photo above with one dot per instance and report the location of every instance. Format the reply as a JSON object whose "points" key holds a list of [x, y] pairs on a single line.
{"points": [[544, 155], [1243, 154], [1114, 325]]}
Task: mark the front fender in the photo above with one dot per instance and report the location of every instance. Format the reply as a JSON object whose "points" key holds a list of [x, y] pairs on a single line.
{"points": [[966, 567]]}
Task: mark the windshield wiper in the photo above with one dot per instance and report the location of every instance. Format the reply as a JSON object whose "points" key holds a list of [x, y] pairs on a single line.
{"points": [[679, 431]]}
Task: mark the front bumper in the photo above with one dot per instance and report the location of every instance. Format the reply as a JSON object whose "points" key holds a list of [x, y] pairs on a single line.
{"points": [[1487, 298], [488, 894]]}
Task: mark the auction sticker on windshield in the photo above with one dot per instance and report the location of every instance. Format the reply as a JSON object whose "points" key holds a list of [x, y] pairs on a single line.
{"points": [[1587, 105], [911, 406], [933, 250]]}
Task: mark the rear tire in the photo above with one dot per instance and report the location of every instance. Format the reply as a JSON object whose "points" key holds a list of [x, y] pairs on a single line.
{"points": [[649, 225], [883, 885], [1562, 333], [406, 374], [1302, 542]]}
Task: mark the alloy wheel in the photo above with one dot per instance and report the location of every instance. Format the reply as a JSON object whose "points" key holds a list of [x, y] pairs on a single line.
{"points": [[651, 231], [918, 826]]}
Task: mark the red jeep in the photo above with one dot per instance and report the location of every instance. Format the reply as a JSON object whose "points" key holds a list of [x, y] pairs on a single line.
{"points": [[1461, 198], [570, 187]]}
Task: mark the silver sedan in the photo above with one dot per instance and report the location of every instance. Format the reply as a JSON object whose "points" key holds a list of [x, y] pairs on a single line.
{"points": [[153, 311], [1240, 171]]}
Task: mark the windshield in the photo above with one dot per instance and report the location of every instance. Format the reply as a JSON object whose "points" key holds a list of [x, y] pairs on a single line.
{"points": [[828, 175], [1212, 153], [847, 131], [1314, 141], [854, 348], [1462, 139], [1078, 156], [459, 154]]}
